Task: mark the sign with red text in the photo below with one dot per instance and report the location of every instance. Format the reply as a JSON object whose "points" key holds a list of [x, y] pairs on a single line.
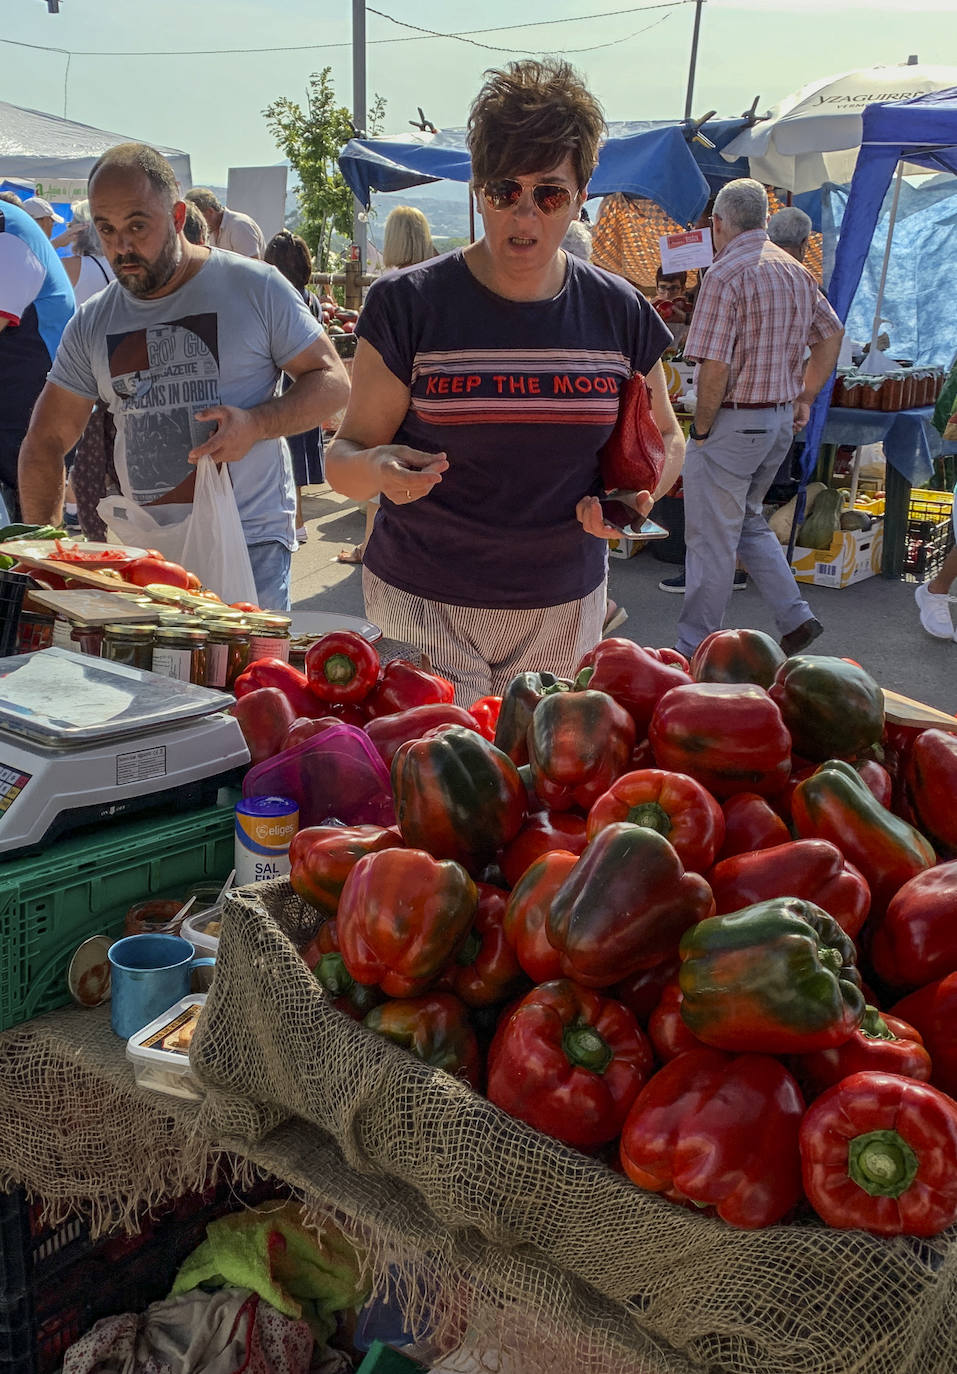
{"points": [[679, 252]]}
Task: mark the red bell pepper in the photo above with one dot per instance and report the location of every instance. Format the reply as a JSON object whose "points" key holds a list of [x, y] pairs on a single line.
{"points": [[642, 991], [931, 776], [275, 672], [916, 941], [321, 857], [457, 796], [932, 1011], [433, 1027], [264, 716], [624, 906], [578, 744], [881, 1043], [670, 656], [666, 1027], [403, 685], [673, 804], [729, 736], [569, 1062], [776, 978], [402, 915], [877, 1154], [349, 713], [304, 727], [878, 780], [833, 708], [387, 733], [737, 656], [836, 804], [342, 666], [719, 1130], [522, 695], [541, 832], [813, 869], [486, 712], [636, 678], [527, 911], [750, 823], [485, 970], [325, 959]]}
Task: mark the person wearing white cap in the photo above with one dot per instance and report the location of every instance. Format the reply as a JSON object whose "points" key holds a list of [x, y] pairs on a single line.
{"points": [[43, 212]]}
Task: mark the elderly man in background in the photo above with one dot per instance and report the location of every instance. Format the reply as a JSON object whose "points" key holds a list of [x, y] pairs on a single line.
{"points": [[186, 348], [43, 212], [228, 229], [757, 313], [790, 229]]}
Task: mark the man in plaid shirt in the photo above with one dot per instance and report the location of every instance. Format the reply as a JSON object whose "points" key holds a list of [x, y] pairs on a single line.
{"points": [[757, 314]]}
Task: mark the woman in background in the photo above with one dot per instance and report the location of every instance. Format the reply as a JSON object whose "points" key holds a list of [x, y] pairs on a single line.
{"points": [[290, 254], [406, 240]]}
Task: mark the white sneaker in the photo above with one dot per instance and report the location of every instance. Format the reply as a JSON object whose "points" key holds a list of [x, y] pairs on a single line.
{"points": [[934, 612]]}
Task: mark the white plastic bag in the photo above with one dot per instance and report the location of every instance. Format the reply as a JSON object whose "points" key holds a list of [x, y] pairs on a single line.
{"points": [[215, 548], [208, 540]]}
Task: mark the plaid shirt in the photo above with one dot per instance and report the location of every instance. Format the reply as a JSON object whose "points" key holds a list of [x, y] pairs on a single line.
{"points": [[757, 310]]}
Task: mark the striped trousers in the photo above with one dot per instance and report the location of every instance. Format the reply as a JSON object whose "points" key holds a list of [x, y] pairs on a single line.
{"points": [[480, 650]]}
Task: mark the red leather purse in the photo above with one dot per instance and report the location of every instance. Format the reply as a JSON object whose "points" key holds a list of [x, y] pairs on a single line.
{"points": [[633, 455]]}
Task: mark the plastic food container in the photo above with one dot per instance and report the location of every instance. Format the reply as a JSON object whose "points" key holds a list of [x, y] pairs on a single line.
{"points": [[201, 929], [160, 1051]]}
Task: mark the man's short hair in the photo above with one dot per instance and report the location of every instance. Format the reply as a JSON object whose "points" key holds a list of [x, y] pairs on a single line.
{"points": [[789, 226], [680, 278], [204, 199], [531, 115], [194, 226], [11, 198], [743, 203], [140, 157]]}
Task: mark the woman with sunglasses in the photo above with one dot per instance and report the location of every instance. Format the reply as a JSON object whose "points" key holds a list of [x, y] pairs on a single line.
{"points": [[484, 384]]}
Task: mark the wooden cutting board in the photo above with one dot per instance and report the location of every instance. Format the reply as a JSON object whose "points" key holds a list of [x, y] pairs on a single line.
{"points": [[95, 607], [90, 577], [906, 711]]}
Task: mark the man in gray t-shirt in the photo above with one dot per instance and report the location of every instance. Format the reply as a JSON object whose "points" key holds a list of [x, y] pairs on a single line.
{"points": [[185, 348]]}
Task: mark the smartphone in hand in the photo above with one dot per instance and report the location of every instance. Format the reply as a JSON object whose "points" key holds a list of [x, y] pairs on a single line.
{"points": [[620, 508]]}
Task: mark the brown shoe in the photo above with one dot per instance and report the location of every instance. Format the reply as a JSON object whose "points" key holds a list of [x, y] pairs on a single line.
{"points": [[797, 640]]}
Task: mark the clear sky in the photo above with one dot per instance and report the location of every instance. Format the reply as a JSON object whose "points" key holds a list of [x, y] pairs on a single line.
{"points": [[635, 57]]}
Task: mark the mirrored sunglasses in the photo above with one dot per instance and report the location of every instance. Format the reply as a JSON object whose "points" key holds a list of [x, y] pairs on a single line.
{"points": [[506, 193]]}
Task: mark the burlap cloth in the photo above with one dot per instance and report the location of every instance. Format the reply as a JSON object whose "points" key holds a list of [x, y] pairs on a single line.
{"points": [[486, 1224]]}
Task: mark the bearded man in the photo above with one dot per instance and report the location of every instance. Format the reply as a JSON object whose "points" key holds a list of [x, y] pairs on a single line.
{"points": [[185, 349]]}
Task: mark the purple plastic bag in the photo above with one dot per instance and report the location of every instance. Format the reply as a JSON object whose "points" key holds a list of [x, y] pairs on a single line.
{"points": [[336, 774]]}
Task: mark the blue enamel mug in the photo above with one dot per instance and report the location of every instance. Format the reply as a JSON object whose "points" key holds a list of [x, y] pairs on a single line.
{"points": [[148, 973]]}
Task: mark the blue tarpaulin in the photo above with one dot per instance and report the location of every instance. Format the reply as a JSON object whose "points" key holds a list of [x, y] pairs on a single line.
{"points": [[644, 158], [921, 131]]}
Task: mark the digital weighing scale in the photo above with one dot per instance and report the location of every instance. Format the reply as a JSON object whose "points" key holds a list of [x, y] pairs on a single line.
{"points": [[83, 739]]}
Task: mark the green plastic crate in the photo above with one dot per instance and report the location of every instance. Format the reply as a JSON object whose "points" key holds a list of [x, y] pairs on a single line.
{"points": [[84, 885], [382, 1359]]}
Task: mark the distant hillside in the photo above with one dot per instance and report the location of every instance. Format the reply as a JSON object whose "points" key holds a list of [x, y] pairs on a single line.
{"points": [[445, 205]]}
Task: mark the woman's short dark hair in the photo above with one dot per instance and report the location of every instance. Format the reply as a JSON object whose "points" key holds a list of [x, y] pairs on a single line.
{"points": [[531, 115], [291, 255]]}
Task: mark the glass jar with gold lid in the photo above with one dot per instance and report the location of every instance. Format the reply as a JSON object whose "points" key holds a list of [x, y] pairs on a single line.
{"points": [[227, 652], [128, 644], [179, 651], [269, 635]]}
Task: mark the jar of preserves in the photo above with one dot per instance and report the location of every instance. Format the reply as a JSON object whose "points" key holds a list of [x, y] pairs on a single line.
{"points": [[179, 652], [87, 639], [227, 652], [129, 644], [269, 635], [892, 392], [872, 389]]}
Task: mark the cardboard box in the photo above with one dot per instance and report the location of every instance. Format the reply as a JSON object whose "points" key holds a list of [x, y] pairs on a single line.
{"points": [[853, 556], [625, 548]]}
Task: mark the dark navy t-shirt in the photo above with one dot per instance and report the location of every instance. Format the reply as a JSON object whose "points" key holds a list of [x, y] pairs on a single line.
{"points": [[520, 395]]}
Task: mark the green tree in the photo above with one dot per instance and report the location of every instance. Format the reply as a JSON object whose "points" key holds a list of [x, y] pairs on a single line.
{"points": [[312, 138]]}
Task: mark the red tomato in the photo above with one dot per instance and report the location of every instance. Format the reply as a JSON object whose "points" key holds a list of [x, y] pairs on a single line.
{"points": [[143, 571]]}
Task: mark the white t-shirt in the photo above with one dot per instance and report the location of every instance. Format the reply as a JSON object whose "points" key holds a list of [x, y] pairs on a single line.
{"points": [[95, 273], [238, 233], [223, 338]]}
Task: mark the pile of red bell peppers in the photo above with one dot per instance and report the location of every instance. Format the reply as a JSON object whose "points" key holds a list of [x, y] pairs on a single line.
{"points": [[697, 919]]}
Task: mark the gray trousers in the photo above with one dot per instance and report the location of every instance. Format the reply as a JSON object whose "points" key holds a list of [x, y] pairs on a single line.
{"points": [[726, 478]]}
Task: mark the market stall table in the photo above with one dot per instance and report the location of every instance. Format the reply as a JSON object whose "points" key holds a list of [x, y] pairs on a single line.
{"points": [[911, 446], [531, 1244]]}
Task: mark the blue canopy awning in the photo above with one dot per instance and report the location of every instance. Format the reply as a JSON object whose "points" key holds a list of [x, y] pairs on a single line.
{"points": [[922, 131], [655, 159]]}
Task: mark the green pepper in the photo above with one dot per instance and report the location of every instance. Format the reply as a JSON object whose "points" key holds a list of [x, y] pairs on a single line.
{"points": [[522, 695], [833, 708], [6, 562], [774, 978]]}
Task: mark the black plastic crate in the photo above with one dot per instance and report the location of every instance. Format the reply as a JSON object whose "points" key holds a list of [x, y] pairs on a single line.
{"points": [[16, 1334], [929, 536], [29, 1252]]}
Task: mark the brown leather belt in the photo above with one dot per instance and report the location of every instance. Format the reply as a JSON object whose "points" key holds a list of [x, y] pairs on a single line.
{"points": [[752, 405]]}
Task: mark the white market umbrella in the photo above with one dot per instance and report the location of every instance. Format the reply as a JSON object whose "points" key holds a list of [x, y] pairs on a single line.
{"points": [[813, 135]]}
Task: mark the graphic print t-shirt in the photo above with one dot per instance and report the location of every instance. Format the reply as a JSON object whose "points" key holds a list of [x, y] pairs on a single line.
{"points": [[520, 395], [222, 338]]}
